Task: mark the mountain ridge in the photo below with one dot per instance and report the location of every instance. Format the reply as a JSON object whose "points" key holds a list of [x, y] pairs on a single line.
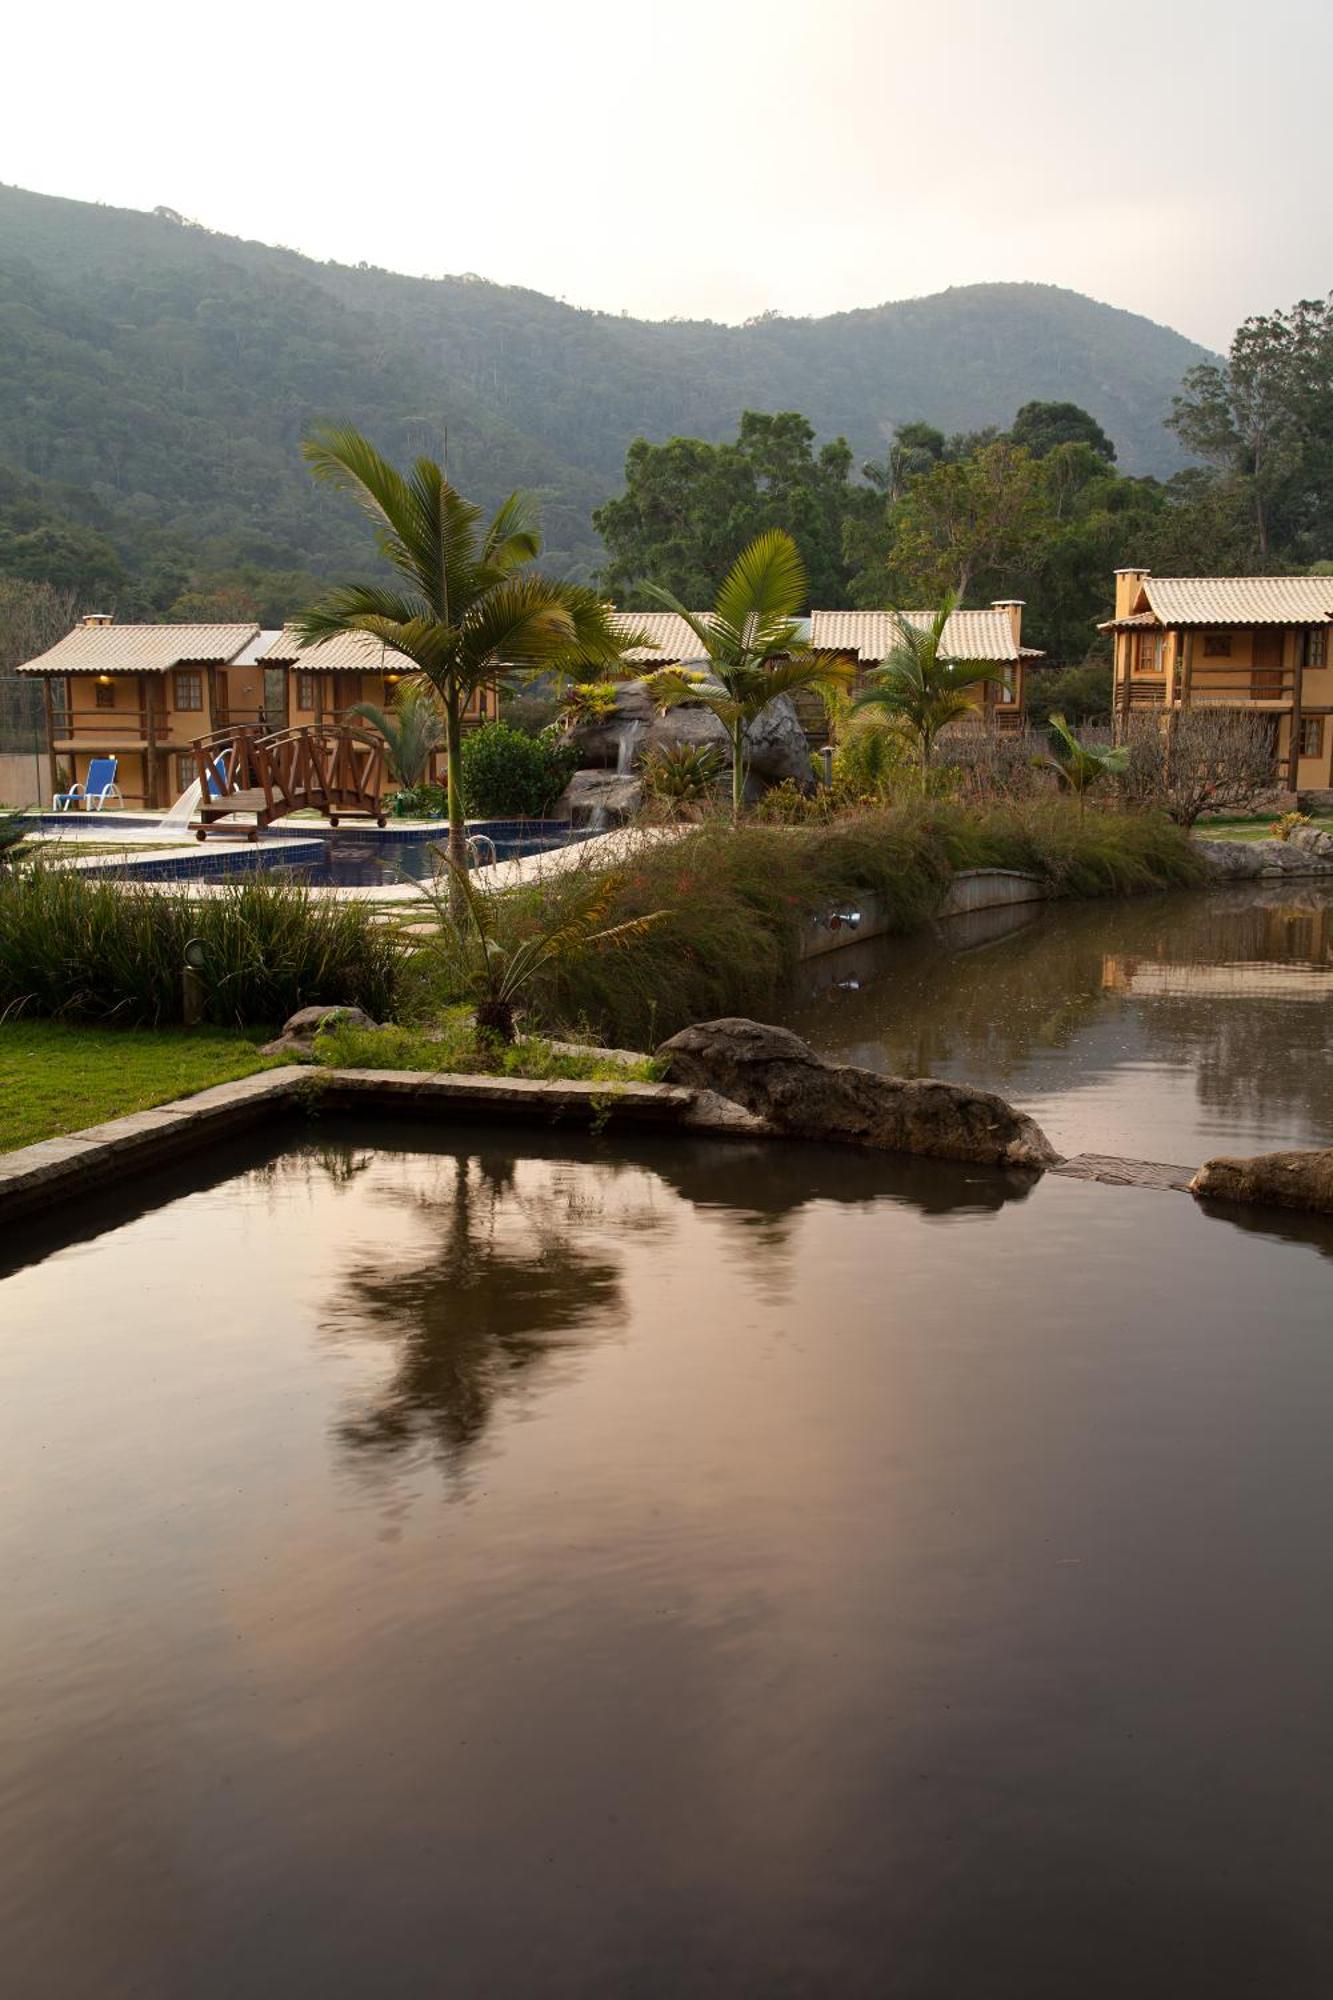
{"points": [[158, 376]]}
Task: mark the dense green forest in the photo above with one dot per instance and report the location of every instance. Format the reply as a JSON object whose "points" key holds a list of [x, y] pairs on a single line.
{"points": [[156, 379]]}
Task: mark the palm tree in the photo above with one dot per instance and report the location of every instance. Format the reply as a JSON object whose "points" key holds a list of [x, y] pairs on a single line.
{"points": [[919, 688], [753, 644], [502, 961], [1082, 765], [412, 729], [465, 604]]}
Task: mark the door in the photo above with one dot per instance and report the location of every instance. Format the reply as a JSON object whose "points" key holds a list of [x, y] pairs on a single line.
{"points": [[346, 693], [1266, 678]]}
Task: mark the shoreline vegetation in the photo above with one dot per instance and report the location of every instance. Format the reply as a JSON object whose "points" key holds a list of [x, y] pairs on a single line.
{"points": [[732, 903]]}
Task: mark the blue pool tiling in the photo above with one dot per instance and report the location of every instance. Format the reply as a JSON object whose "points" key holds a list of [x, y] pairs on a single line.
{"points": [[210, 864]]}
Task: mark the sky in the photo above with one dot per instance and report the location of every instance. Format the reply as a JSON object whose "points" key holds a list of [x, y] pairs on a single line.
{"points": [[715, 158]]}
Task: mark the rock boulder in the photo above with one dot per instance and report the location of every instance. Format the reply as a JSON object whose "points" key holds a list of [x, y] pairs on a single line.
{"points": [[1277, 1180], [779, 1078], [1250, 860], [599, 798], [299, 1029]]}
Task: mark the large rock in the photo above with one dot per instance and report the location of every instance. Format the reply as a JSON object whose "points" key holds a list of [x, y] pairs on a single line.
{"points": [[1276, 1180], [300, 1029], [599, 798], [603, 745], [1308, 852], [779, 1078], [775, 745]]}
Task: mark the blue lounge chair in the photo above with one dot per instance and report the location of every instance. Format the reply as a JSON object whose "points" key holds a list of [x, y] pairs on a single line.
{"points": [[99, 786]]}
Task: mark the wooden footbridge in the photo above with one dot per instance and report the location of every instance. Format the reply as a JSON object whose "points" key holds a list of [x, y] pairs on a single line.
{"points": [[249, 778]]}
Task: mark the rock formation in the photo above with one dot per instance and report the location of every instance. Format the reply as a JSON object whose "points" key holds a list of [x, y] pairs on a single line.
{"points": [[779, 1078], [1282, 1180]]}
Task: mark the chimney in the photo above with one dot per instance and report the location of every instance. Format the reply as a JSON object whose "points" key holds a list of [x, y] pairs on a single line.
{"points": [[96, 618], [1014, 606], [1128, 583]]}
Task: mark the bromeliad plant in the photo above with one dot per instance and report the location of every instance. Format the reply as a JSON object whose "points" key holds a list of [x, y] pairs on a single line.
{"points": [[919, 688], [501, 955], [753, 643], [465, 606], [587, 702], [683, 777], [1080, 766]]}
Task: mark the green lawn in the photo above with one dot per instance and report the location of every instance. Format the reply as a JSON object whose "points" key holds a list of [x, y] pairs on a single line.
{"points": [[56, 1079], [1253, 826]]}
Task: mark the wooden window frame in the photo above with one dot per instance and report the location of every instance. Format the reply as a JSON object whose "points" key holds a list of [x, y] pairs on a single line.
{"points": [[185, 770], [1217, 645], [1151, 644], [190, 678], [1314, 649], [1311, 740], [307, 691], [104, 694]]}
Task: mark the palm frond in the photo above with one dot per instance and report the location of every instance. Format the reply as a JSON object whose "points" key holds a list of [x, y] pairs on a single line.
{"points": [[513, 537], [765, 586], [522, 622]]}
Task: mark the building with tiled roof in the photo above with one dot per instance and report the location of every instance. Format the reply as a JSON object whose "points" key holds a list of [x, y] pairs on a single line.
{"points": [[1257, 644]]}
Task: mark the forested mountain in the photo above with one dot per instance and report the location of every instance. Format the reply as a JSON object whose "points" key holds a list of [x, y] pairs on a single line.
{"points": [[156, 379]]}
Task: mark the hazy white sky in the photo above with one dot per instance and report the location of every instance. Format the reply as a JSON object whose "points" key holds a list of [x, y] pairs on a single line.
{"points": [[715, 157]]}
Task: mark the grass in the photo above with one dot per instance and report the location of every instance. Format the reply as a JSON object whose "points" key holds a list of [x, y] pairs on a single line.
{"points": [[111, 951], [453, 1047], [56, 1078], [1254, 826], [738, 899]]}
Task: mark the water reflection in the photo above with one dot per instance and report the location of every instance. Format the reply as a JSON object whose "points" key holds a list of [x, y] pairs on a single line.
{"points": [[1169, 1027], [507, 1282]]}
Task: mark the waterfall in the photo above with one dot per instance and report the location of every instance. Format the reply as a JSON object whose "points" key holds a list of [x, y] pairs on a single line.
{"points": [[184, 809], [625, 741]]}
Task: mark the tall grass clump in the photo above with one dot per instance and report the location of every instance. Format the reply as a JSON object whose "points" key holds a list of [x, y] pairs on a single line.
{"points": [[738, 898], [80, 949]]}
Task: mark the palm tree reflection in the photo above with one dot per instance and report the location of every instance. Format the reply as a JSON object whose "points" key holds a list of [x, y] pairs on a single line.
{"points": [[509, 1286]]}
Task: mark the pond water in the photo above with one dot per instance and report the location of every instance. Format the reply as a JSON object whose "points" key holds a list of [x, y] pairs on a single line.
{"points": [[1162, 1028], [656, 1567]]}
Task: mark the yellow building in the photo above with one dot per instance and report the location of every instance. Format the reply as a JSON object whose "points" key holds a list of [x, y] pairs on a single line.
{"points": [[144, 693], [1260, 644], [993, 636]]}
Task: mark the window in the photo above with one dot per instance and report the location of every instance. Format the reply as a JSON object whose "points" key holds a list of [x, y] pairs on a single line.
{"points": [[105, 694], [305, 692], [1312, 734], [1217, 645], [188, 688], [1314, 653], [1005, 691], [1150, 653], [185, 771]]}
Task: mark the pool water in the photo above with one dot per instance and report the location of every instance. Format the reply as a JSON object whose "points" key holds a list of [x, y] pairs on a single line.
{"points": [[647, 1567], [1160, 1027], [350, 864]]}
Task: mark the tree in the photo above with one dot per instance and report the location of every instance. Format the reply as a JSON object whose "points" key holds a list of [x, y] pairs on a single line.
{"points": [[919, 688], [753, 645], [688, 505], [1080, 766], [1264, 420], [465, 605], [500, 965], [412, 729], [1040, 427], [965, 517], [1199, 760]]}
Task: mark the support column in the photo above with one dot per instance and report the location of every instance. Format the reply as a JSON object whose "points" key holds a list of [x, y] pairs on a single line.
{"points": [[49, 712], [1297, 699], [150, 740]]}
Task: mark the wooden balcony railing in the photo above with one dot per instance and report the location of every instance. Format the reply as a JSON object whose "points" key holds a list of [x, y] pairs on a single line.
{"points": [[79, 726]]}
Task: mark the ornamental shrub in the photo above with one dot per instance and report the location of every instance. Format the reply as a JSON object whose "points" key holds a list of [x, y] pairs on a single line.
{"points": [[507, 775]]}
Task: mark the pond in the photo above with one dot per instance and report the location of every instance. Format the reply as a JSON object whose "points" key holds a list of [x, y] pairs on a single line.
{"points": [[1162, 1028], [645, 1567]]}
